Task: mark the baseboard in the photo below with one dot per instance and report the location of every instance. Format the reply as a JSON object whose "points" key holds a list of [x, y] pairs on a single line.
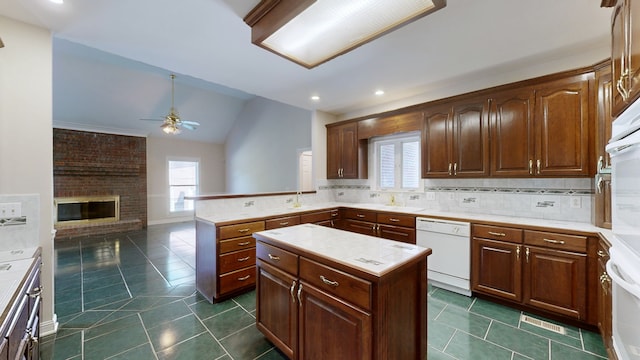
{"points": [[49, 327], [170, 220]]}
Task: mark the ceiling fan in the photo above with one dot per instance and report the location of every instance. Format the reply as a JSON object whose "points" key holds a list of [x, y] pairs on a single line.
{"points": [[172, 123]]}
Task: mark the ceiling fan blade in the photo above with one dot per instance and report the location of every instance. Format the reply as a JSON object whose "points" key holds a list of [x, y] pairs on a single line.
{"points": [[195, 123], [187, 126]]}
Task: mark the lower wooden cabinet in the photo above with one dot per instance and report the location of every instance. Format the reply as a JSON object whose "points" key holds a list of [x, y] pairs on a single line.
{"points": [[497, 268], [555, 281], [277, 317], [542, 270], [392, 226], [350, 334], [311, 309], [604, 298]]}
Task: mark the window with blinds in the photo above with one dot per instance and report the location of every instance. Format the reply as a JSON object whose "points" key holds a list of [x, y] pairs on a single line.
{"points": [[398, 162]]}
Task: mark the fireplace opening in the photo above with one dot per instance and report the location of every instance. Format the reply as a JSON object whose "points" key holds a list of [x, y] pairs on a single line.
{"points": [[87, 209]]}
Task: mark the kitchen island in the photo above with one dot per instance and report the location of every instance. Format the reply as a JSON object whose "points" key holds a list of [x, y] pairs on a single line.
{"points": [[325, 293]]}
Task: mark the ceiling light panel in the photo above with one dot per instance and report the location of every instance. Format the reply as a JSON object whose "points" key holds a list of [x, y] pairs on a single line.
{"points": [[328, 28]]}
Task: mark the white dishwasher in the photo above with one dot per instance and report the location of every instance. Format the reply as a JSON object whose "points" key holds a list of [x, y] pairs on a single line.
{"points": [[449, 266]]}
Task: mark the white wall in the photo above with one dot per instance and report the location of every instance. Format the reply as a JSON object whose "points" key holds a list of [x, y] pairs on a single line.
{"points": [[262, 147], [159, 150], [26, 135]]}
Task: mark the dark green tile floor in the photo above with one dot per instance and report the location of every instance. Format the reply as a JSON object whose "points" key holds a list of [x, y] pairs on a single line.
{"points": [[132, 296]]}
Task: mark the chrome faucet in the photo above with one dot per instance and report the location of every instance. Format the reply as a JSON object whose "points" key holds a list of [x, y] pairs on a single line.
{"points": [[297, 203]]}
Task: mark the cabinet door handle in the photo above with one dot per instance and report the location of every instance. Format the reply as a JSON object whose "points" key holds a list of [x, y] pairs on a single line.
{"points": [[600, 165], [394, 219], [329, 282], [292, 290], [360, 215], [334, 214], [552, 241], [274, 257], [300, 295], [35, 292], [455, 169], [602, 253], [244, 259], [599, 184], [497, 233], [284, 223], [518, 252], [244, 278], [538, 165], [526, 254], [450, 167], [530, 167], [244, 243], [242, 231]]}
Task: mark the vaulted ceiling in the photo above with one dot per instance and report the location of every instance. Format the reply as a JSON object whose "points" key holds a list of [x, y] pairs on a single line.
{"points": [[112, 58]]}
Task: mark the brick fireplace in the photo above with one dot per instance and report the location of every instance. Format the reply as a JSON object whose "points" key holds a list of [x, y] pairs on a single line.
{"points": [[88, 165]]}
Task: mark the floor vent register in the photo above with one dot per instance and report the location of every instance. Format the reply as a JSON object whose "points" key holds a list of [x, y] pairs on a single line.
{"points": [[543, 324]]}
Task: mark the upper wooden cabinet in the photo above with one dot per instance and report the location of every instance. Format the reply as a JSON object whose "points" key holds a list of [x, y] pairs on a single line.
{"points": [[512, 133], [562, 127], [455, 140], [625, 54], [400, 123], [342, 151]]}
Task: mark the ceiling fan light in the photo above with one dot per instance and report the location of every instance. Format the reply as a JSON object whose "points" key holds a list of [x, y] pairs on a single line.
{"points": [[170, 129]]}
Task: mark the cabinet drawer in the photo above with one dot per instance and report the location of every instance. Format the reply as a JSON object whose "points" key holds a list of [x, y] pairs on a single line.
{"points": [[282, 222], [244, 242], [556, 241], [360, 215], [319, 216], [397, 233], [397, 219], [237, 260], [237, 279], [232, 231], [348, 287], [277, 257], [497, 233]]}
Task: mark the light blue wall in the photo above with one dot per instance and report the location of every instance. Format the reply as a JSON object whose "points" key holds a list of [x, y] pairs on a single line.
{"points": [[262, 147]]}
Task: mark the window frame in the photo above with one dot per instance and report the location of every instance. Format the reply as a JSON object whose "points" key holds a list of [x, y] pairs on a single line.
{"points": [[170, 186], [397, 140]]}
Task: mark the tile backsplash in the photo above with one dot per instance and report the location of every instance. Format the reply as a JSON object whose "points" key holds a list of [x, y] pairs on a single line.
{"points": [[558, 199], [567, 199], [26, 233]]}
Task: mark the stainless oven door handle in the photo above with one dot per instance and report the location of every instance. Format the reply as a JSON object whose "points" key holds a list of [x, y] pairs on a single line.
{"points": [[613, 271]]}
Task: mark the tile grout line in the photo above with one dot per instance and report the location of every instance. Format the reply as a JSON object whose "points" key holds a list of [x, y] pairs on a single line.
{"points": [[147, 334], [122, 276], [149, 260], [81, 277], [209, 331]]}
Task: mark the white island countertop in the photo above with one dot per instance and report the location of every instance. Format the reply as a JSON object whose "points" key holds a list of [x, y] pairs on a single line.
{"points": [[372, 255]]}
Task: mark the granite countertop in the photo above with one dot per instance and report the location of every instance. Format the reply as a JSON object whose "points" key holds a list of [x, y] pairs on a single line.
{"points": [[470, 217], [373, 255], [12, 274]]}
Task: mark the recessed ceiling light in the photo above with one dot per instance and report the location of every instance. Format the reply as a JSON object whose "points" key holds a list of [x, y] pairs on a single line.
{"points": [[379, 92], [57, 1], [315, 98]]}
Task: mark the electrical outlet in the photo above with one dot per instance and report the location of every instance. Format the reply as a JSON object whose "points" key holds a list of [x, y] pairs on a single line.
{"points": [[431, 196], [576, 202], [10, 210]]}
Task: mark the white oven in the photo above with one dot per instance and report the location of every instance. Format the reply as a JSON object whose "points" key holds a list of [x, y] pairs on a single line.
{"points": [[624, 264]]}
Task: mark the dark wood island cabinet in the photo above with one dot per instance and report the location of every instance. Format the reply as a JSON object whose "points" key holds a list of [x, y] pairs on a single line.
{"points": [[324, 293]]}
